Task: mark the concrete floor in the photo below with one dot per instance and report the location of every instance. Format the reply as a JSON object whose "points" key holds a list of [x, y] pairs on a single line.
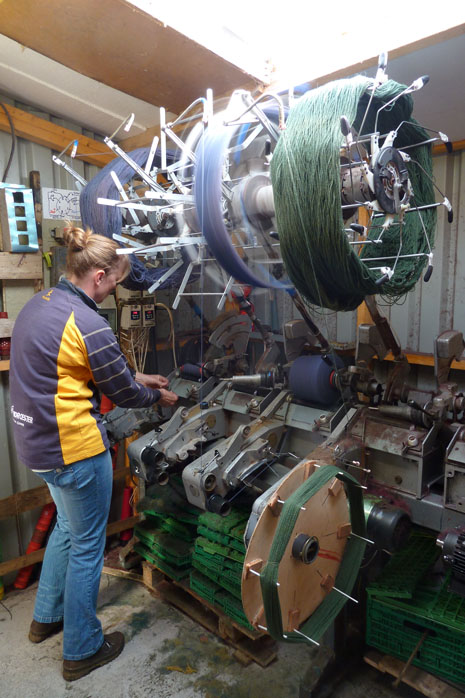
{"points": [[166, 654]]}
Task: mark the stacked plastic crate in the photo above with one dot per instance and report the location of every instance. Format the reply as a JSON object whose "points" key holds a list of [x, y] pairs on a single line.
{"points": [[218, 559], [409, 603], [166, 536]]}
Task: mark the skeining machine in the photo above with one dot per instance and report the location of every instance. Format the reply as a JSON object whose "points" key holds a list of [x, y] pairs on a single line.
{"points": [[326, 457]]}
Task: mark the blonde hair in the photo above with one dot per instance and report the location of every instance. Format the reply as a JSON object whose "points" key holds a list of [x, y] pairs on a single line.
{"points": [[87, 251]]}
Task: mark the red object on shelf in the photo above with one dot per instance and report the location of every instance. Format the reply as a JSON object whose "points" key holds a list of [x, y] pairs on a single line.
{"points": [[5, 342], [38, 537], [5, 347], [126, 512]]}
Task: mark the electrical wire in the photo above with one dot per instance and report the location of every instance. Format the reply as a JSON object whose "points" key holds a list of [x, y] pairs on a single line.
{"points": [[7, 609], [172, 335]]}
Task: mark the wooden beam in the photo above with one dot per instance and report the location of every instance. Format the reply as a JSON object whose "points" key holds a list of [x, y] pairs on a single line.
{"points": [[14, 265], [423, 682], [122, 524], [440, 148], [44, 132], [426, 360], [18, 563], [363, 314], [36, 497], [141, 140], [24, 501], [144, 140], [119, 45]]}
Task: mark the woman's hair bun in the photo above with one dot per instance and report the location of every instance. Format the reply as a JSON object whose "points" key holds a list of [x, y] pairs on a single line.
{"points": [[76, 238]]}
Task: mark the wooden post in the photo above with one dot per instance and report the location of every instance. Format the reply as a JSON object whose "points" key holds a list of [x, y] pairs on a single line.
{"points": [[363, 315]]}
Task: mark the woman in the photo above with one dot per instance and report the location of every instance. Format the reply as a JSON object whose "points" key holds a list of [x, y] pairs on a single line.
{"points": [[62, 354]]}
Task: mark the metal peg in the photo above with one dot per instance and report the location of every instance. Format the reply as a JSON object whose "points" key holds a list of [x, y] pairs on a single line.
{"points": [[371, 542], [282, 501], [257, 574], [305, 636], [344, 594]]}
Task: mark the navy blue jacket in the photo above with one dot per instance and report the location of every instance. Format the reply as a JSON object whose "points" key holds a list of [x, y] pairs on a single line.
{"points": [[62, 354]]}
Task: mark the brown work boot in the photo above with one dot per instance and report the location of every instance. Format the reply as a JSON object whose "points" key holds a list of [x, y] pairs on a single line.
{"points": [[76, 668], [41, 631]]}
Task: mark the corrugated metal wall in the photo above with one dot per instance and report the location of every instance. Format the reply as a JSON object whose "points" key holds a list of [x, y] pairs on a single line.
{"points": [[14, 477], [438, 305]]}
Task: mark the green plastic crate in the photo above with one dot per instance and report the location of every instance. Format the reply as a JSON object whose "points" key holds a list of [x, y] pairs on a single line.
{"points": [[233, 608], [176, 573], [174, 551], [231, 583], [171, 525], [232, 541], [217, 552], [169, 504], [211, 535], [223, 524], [432, 601], [216, 562], [203, 586], [407, 567], [397, 631]]}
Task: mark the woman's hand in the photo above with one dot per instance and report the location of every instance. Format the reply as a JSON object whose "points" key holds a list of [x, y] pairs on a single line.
{"points": [[167, 398], [151, 380]]}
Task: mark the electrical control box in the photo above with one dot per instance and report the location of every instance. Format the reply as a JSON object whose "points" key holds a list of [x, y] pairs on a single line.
{"points": [[126, 294], [148, 315], [110, 316], [131, 316]]}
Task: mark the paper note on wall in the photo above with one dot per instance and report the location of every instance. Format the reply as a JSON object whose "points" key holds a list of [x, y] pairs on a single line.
{"points": [[60, 204]]}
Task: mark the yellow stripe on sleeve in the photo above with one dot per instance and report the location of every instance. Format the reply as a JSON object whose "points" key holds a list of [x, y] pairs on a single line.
{"points": [[79, 434]]}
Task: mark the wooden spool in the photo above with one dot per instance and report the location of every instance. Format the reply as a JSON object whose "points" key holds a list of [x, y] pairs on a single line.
{"points": [[322, 528]]}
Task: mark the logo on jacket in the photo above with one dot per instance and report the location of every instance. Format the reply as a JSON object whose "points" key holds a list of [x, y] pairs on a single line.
{"points": [[22, 417], [47, 295]]}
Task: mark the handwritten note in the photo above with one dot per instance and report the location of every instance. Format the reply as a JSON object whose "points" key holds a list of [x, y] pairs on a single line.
{"points": [[60, 204]]}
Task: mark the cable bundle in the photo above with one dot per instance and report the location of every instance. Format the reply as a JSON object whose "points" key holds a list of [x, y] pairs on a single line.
{"points": [[305, 173]]}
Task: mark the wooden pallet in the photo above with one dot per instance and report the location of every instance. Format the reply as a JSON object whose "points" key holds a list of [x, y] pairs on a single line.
{"points": [[249, 645], [427, 684], [116, 563]]}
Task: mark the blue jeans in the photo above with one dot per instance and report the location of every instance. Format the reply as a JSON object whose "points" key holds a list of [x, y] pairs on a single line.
{"points": [[73, 561]]}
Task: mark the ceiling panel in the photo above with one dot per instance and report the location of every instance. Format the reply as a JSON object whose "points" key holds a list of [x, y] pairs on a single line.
{"points": [[118, 45]]}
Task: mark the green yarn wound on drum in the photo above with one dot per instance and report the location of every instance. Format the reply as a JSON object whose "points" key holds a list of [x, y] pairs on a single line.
{"points": [[305, 172]]}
